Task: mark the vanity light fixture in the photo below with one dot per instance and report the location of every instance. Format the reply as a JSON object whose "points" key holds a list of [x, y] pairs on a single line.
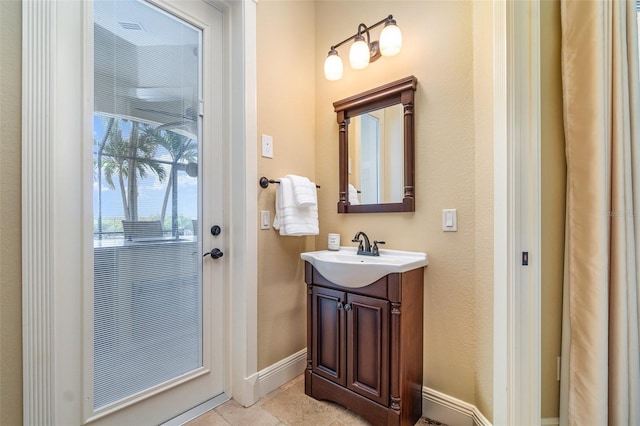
{"points": [[362, 52]]}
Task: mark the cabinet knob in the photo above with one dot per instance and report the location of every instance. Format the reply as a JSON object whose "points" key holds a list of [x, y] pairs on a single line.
{"points": [[347, 307], [339, 306]]}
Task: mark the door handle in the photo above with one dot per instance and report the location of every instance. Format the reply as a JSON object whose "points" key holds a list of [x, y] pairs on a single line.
{"points": [[215, 253]]}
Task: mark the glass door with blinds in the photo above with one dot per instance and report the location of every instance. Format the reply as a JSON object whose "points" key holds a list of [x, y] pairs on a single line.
{"points": [[157, 301]]}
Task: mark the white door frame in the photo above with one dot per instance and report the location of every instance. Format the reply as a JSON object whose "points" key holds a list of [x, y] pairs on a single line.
{"points": [[517, 216], [52, 95]]}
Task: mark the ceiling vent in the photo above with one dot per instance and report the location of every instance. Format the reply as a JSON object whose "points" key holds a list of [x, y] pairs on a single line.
{"points": [[133, 26]]}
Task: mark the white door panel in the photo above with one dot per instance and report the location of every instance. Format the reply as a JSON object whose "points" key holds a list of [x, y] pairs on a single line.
{"points": [[157, 305], [57, 215]]}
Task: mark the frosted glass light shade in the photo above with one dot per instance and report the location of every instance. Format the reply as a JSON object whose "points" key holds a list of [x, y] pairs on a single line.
{"points": [[333, 66], [359, 54], [390, 40]]}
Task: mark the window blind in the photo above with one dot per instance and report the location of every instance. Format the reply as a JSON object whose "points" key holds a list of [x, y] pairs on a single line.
{"points": [[147, 319]]}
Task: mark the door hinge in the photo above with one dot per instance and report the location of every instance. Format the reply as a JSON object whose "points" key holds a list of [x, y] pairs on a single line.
{"points": [[525, 258]]}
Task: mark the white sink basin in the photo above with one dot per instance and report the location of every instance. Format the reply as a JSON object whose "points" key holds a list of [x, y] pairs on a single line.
{"points": [[348, 269]]}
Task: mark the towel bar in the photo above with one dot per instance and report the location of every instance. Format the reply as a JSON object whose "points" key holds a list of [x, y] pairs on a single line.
{"points": [[264, 182]]}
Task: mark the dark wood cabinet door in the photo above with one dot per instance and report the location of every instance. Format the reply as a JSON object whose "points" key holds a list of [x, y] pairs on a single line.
{"points": [[368, 347], [329, 340]]}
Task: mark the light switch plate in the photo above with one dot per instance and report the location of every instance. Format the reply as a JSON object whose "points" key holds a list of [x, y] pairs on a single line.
{"points": [[449, 220], [265, 219], [267, 146]]}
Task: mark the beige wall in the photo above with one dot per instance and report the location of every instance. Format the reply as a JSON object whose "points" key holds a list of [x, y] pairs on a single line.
{"points": [[438, 50], [553, 203], [483, 121], [286, 111], [10, 246]]}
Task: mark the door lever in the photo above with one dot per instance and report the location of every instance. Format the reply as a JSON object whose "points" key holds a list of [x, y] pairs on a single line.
{"points": [[215, 253]]}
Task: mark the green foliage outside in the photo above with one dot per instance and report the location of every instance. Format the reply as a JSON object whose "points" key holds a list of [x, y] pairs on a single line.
{"points": [[122, 161]]}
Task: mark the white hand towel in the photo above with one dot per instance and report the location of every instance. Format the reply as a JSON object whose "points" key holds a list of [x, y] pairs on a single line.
{"points": [[291, 219], [304, 191], [353, 195]]}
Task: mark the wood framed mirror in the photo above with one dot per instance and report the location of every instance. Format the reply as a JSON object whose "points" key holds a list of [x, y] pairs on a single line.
{"points": [[376, 153]]}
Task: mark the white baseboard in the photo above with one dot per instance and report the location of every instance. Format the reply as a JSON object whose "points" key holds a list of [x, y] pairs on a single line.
{"points": [[449, 410], [435, 405], [276, 375]]}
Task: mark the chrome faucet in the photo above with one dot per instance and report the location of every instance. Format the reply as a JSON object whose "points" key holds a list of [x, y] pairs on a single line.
{"points": [[366, 249]]}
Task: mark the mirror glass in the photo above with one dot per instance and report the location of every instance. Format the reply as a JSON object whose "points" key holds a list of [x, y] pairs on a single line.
{"points": [[376, 156], [376, 149]]}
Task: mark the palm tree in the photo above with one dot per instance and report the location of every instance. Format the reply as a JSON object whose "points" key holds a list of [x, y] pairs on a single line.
{"points": [[182, 150], [97, 164], [128, 159]]}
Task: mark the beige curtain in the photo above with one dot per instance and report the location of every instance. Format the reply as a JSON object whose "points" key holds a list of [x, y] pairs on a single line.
{"points": [[601, 374]]}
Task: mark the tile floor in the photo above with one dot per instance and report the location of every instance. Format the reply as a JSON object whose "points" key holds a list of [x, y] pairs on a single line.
{"points": [[287, 405]]}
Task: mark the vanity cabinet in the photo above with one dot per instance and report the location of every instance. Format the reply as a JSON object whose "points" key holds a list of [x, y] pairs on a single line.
{"points": [[351, 341], [364, 345]]}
